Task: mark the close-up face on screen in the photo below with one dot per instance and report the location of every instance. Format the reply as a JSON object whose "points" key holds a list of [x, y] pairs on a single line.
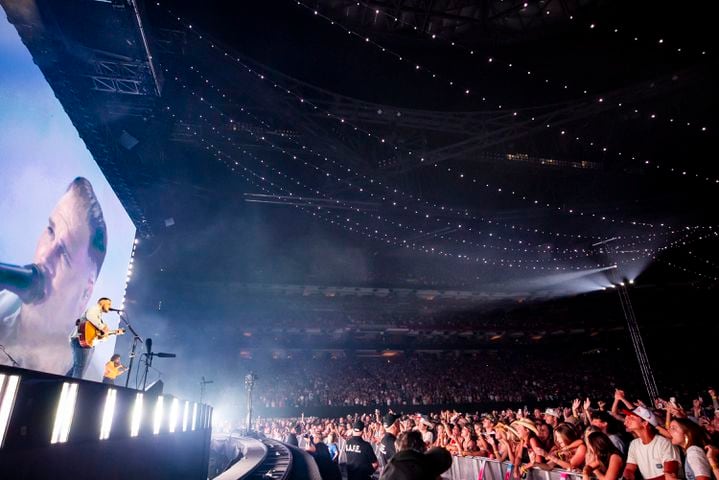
{"points": [[60, 217]]}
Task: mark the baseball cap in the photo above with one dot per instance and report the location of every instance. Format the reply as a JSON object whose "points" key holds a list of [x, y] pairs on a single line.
{"points": [[552, 411], [645, 414], [389, 419], [358, 426], [425, 419]]}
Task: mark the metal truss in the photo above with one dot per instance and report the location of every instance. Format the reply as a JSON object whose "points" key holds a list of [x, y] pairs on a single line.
{"points": [[114, 74], [441, 136]]}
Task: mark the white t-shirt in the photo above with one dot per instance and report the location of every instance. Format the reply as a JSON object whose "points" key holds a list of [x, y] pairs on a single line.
{"points": [[696, 464], [650, 458]]}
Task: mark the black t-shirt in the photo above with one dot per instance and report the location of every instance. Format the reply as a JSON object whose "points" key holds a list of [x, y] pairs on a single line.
{"points": [[292, 439], [360, 458], [413, 465], [387, 448], [328, 469]]}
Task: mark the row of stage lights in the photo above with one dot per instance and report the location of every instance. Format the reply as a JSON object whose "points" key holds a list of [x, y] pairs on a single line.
{"points": [[8, 390], [460, 176], [179, 416], [128, 276], [206, 82]]}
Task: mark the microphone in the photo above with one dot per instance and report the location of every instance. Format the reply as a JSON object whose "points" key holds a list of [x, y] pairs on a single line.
{"points": [[26, 282], [165, 355], [116, 310], [148, 345]]}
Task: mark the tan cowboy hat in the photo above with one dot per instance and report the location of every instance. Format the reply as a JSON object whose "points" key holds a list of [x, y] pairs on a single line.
{"points": [[528, 424], [506, 428]]}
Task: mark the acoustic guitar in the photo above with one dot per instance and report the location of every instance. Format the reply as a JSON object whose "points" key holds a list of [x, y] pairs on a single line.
{"points": [[88, 334]]}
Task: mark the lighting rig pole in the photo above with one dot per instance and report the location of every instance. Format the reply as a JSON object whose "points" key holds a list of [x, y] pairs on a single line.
{"points": [[204, 382], [637, 341], [601, 251], [250, 380]]}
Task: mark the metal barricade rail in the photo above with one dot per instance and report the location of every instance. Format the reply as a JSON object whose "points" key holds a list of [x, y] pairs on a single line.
{"points": [[481, 468]]}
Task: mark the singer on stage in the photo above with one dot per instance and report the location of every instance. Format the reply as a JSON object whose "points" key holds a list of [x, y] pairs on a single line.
{"points": [[81, 355], [82, 345]]}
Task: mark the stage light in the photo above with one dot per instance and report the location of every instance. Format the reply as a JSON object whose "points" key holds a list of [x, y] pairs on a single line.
{"points": [[107, 414], [8, 390], [631, 282], [136, 416], [194, 415], [185, 414], [64, 413], [159, 407], [174, 414]]}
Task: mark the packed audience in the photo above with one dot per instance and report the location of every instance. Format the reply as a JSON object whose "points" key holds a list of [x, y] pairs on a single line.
{"points": [[425, 380], [607, 440]]}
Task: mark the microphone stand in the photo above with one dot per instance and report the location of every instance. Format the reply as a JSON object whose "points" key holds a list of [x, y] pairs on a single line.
{"points": [[148, 364], [135, 338], [14, 363]]}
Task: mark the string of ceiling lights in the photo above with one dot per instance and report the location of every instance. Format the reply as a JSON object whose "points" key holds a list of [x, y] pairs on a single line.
{"points": [[702, 259], [341, 221], [442, 209], [385, 237], [648, 165], [261, 76], [459, 242], [511, 66], [207, 83], [712, 234], [491, 60], [203, 99]]}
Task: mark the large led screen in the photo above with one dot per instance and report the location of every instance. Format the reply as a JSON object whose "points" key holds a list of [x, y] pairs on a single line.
{"points": [[57, 213]]}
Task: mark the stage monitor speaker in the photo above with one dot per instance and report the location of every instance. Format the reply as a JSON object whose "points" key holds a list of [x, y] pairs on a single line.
{"points": [[155, 388]]}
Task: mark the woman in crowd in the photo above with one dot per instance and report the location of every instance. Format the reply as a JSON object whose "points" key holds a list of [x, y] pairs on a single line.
{"points": [[689, 436], [569, 450], [528, 452], [442, 439], [468, 443], [546, 436], [499, 443], [604, 461]]}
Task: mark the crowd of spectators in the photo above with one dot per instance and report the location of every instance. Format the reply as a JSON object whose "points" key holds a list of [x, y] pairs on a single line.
{"points": [[425, 380], [604, 439]]}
